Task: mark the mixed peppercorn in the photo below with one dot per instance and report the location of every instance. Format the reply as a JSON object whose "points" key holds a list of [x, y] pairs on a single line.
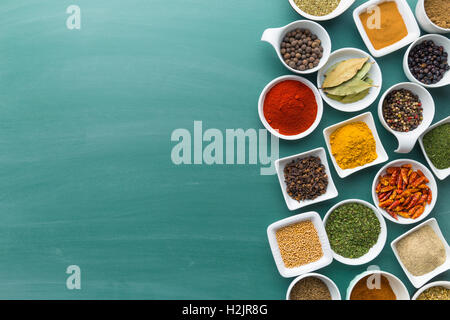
{"points": [[402, 110], [403, 192]]}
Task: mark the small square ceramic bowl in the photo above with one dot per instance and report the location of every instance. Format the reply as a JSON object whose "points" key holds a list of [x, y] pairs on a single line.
{"points": [[439, 40], [421, 280], [374, 74], [325, 260], [445, 284], [415, 166], [332, 287], [376, 248], [440, 173], [331, 188], [275, 36], [408, 18], [367, 118], [400, 291], [340, 9]]}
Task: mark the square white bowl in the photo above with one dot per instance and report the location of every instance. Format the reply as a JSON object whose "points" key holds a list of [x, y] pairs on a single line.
{"points": [[325, 260], [421, 280], [367, 118], [440, 173], [408, 18], [293, 204]]}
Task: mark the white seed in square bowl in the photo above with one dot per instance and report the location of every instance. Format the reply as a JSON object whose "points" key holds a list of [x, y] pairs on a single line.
{"points": [[293, 204], [325, 260]]}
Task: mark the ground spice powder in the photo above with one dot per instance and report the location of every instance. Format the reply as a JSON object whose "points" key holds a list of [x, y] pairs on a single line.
{"points": [[439, 12], [361, 290], [392, 27], [421, 251], [290, 107], [299, 244]]}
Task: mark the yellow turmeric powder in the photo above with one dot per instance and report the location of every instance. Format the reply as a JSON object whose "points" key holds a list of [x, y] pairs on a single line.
{"points": [[353, 145], [384, 24]]}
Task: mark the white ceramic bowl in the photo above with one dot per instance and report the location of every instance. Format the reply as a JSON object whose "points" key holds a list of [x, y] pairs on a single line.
{"points": [[341, 8], [332, 287], [421, 280], [368, 119], [275, 36], [407, 140], [438, 40], [262, 97], [408, 18], [440, 173], [396, 284], [327, 257], [374, 73], [445, 284], [377, 247], [293, 204], [415, 166], [425, 22]]}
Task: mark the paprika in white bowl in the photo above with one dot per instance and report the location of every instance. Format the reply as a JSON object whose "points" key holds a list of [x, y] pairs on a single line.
{"points": [[290, 107]]}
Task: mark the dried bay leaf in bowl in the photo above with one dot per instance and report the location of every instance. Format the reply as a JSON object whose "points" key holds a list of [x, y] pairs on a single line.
{"points": [[343, 72]]}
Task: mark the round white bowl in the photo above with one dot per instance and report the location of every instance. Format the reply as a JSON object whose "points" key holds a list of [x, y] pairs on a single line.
{"points": [[425, 22], [396, 284], [341, 8], [262, 97], [374, 73], [377, 247], [332, 287], [407, 140], [445, 284], [415, 166], [275, 36], [438, 40]]}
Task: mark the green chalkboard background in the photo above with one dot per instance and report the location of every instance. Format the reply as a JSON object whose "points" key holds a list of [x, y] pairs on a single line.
{"points": [[86, 176]]}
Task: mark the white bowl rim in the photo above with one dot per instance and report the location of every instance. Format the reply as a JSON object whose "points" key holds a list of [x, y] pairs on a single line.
{"points": [[341, 106], [318, 101], [322, 277], [333, 14], [409, 75], [430, 285], [383, 157], [441, 174], [429, 20], [331, 188], [413, 133], [425, 171], [358, 277], [369, 256]]}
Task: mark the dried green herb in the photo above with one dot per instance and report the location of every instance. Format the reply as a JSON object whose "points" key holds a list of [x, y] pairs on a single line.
{"points": [[317, 7], [437, 146], [352, 230], [435, 293]]}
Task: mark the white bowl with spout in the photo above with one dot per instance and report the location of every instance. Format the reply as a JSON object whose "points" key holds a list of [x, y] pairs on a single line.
{"points": [[275, 36], [425, 22], [407, 140], [340, 9]]}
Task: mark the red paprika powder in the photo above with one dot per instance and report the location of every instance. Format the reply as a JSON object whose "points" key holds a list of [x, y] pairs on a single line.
{"points": [[290, 107]]}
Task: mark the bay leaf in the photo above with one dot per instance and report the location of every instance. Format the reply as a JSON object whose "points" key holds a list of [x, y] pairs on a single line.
{"points": [[361, 74], [352, 86], [344, 71], [355, 97], [335, 97]]}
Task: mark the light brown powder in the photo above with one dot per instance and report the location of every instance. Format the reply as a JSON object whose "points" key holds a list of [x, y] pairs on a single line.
{"points": [[421, 251], [299, 244]]}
